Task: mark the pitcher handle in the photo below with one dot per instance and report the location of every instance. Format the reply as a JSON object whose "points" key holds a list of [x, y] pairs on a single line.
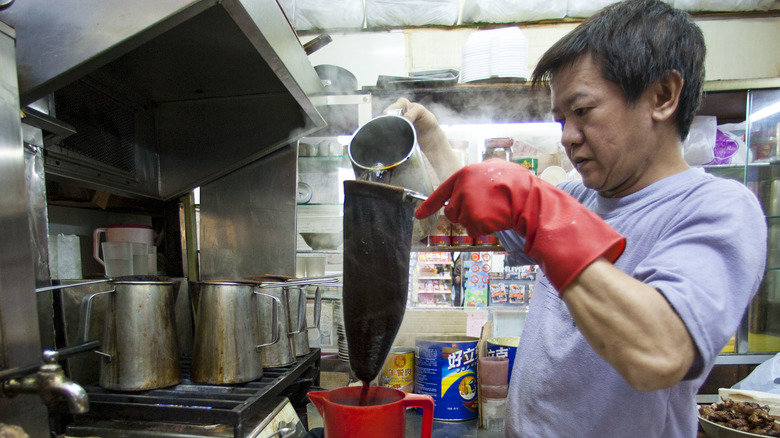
{"points": [[285, 432], [317, 309], [425, 402], [96, 245], [84, 317], [300, 322], [275, 322]]}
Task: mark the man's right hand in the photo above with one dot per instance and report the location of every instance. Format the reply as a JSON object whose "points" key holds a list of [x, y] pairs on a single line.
{"points": [[561, 235]]}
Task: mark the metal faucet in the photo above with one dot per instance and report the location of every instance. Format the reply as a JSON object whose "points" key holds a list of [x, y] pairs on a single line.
{"points": [[48, 380]]}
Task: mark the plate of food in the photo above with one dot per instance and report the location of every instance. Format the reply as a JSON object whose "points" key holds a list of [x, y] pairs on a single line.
{"points": [[740, 414], [718, 430]]}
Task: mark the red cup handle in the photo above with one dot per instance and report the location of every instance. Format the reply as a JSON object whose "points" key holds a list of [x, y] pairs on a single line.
{"points": [[426, 403]]}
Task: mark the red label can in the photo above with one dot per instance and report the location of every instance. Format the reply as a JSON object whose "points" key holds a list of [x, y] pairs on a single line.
{"points": [[460, 236], [489, 239], [440, 236]]}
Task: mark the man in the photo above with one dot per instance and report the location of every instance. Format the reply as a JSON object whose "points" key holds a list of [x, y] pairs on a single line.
{"points": [[648, 264]]}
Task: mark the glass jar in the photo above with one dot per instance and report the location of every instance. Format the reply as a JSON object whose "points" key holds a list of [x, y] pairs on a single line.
{"points": [[500, 148]]}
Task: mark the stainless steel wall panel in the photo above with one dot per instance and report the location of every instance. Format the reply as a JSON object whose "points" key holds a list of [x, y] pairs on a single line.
{"points": [[36, 190], [19, 340], [17, 279], [247, 220]]}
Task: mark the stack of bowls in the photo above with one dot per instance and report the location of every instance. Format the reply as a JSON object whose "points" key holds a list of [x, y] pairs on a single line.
{"points": [[495, 53]]}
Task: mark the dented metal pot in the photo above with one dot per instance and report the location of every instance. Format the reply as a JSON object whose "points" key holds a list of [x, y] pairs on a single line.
{"points": [[227, 347], [139, 346]]}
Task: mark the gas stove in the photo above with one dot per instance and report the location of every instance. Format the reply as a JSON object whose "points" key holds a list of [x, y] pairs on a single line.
{"points": [[255, 409]]}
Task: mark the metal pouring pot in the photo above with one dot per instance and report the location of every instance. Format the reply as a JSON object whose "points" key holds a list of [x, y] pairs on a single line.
{"points": [[385, 150], [139, 348], [300, 336], [227, 346]]}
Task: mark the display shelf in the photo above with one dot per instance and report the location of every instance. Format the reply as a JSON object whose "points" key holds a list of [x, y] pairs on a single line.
{"points": [[420, 247], [319, 251], [431, 284], [752, 106], [323, 163]]}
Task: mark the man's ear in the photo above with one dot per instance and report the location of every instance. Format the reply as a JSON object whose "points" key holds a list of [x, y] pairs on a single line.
{"points": [[666, 93]]}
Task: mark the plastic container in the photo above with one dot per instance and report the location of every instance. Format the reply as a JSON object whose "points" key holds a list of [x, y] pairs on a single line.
{"points": [[493, 411], [504, 346], [118, 257]]}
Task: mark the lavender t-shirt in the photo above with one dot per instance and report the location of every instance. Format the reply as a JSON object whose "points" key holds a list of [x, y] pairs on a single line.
{"points": [[701, 242]]}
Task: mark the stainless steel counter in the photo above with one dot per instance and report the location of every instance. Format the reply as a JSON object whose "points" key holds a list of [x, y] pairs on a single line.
{"points": [[441, 429], [447, 429]]}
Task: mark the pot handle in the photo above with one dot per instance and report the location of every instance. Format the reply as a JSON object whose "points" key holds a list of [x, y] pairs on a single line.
{"points": [[284, 432], [300, 322], [275, 323], [96, 245], [426, 403], [317, 309], [85, 316]]}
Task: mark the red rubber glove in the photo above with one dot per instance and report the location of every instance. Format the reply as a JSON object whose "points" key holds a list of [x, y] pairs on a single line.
{"points": [[561, 235]]}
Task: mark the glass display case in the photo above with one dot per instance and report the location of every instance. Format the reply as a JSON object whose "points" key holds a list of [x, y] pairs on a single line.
{"points": [[431, 282], [323, 166], [749, 115]]}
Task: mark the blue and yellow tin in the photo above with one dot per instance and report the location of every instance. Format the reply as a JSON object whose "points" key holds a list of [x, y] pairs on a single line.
{"points": [[445, 369]]}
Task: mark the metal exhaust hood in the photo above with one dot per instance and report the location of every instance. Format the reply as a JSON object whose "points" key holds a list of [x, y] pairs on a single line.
{"points": [[164, 95]]}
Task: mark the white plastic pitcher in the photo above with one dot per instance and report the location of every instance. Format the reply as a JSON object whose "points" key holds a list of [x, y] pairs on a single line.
{"points": [[141, 235]]}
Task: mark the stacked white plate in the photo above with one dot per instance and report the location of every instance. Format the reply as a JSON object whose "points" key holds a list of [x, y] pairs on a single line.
{"points": [[495, 53], [341, 334]]}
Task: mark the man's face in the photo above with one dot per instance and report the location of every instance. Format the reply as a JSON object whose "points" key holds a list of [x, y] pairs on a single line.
{"points": [[609, 142]]}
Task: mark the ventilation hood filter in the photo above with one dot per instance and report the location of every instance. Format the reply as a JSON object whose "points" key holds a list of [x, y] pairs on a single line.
{"points": [[209, 85]]}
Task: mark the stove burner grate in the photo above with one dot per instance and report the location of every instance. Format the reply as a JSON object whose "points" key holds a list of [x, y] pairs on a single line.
{"points": [[237, 406]]}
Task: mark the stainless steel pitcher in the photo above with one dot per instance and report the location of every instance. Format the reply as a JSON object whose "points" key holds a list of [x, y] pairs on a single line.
{"points": [[280, 353], [227, 346], [385, 150], [139, 348], [300, 335]]}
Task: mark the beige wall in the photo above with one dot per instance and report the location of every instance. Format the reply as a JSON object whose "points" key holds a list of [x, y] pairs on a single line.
{"points": [[428, 322], [744, 48]]}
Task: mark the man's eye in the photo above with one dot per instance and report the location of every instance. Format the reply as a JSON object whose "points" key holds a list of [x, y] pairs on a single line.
{"points": [[580, 111]]}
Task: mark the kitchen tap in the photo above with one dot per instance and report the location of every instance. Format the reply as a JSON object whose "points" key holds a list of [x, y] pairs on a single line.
{"points": [[48, 380]]}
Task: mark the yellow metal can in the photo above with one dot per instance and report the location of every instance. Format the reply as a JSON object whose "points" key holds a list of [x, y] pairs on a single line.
{"points": [[398, 370]]}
